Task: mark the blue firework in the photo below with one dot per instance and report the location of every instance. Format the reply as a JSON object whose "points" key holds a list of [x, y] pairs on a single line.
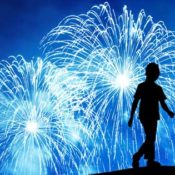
{"points": [[46, 124], [111, 53]]}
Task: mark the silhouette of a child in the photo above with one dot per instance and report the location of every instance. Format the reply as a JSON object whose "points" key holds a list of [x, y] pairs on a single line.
{"points": [[150, 94]]}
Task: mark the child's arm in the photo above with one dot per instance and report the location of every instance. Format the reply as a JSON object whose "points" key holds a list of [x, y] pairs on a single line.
{"points": [[134, 106], [165, 107]]}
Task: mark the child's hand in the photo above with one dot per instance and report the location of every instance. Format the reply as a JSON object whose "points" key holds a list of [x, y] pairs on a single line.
{"points": [[171, 114], [130, 122]]}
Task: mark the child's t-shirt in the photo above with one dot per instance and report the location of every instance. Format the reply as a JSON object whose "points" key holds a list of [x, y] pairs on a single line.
{"points": [[149, 94]]}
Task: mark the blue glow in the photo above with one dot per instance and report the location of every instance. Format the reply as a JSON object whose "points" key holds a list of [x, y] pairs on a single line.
{"points": [[44, 126], [111, 53], [67, 112]]}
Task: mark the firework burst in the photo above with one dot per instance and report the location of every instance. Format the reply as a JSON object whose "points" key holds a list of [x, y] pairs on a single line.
{"points": [[44, 127], [111, 53]]}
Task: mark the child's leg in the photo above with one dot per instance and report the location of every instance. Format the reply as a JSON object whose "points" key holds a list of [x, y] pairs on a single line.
{"points": [[150, 131]]}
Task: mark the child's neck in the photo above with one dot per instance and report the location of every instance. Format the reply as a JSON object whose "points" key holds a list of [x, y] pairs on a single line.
{"points": [[150, 80]]}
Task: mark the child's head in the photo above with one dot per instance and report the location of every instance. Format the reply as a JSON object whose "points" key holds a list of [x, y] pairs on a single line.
{"points": [[152, 71]]}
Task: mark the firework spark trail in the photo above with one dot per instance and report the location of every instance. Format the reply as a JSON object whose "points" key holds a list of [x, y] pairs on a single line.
{"points": [[44, 127], [112, 53]]}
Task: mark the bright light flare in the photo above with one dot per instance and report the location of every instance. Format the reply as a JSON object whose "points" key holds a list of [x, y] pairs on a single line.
{"points": [[122, 81], [32, 127]]}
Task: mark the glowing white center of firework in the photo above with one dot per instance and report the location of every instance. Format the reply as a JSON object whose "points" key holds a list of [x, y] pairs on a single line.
{"points": [[122, 81], [75, 136], [32, 127]]}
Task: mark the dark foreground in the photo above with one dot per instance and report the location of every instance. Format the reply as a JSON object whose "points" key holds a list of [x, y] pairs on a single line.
{"points": [[163, 170]]}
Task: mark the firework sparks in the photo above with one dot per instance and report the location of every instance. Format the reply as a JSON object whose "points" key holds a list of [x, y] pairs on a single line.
{"points": [[41, 128], [112, 53]]}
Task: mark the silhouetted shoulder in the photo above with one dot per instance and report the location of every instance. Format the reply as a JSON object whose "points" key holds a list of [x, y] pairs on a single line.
{"points": [[157, 86], [149, 90], [139, 90], [159, 92]]}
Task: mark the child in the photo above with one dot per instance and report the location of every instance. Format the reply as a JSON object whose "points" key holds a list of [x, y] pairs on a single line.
{"points": [[150, 94]]}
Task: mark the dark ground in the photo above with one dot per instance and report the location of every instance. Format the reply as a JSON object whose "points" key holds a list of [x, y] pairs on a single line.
{"points": [[163, 170]]}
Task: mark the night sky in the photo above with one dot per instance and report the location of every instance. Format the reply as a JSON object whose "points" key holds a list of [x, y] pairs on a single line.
{"points": [[24, 22]]}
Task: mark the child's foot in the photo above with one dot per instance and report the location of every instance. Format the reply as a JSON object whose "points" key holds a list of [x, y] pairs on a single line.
{"points": [[153, 163], [135, 161]]}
